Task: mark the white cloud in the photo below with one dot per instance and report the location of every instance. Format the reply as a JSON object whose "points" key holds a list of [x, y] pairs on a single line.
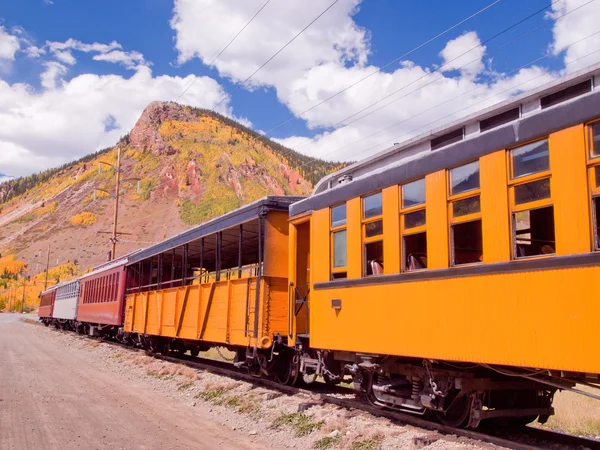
{"points": [[202, 33], [34, 52], [69, 118], [53, 73], [9, 45], [464, 54], [332, 55], [74, 44], [576, 26], [65, 56], [128, 59]]}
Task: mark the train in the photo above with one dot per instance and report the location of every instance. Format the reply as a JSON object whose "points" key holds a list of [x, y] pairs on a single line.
{"points": [[449, 276]]}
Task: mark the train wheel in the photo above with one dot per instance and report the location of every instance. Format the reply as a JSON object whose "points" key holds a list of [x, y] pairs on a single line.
{"points": [[287, 370], [458, 412], [195, 351]]}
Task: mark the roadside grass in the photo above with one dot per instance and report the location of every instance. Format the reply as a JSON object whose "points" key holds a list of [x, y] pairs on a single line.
{"points": [[185, 385], [212, 395], [299, 423], [575, 413], [373, 443], [328, 442]]}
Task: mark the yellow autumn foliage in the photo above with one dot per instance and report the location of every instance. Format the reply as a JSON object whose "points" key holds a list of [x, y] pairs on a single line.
{"points": [[83, 219], [10, 266]]}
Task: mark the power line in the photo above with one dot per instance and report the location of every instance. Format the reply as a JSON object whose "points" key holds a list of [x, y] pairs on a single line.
{"points": [[385, 66], [256, 13], [235, 88], [412, 131], [428, 125], [472, 90], [436, 70], [312, 160]]}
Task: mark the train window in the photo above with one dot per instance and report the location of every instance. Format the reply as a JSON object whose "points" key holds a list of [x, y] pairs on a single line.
{"points": [[374, 258], [532, 191], [597, 175], [533, 232], [529, 159], [413, 194], [413, 226], [372, 206], [339, 242], [338, 216], [372, 233], [414, 219], [464, 178], [596, 219], [373, 229], [467, 243], [339, 249], [531, 201], [595, 140], [470, 205], [415, 251]]}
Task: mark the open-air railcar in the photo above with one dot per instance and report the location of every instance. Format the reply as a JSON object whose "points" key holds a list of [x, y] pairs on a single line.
{"points": [[223, 283]]}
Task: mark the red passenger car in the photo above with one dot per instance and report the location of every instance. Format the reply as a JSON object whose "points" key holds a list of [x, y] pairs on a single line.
{"points": [[47, 305], [101, 296]]}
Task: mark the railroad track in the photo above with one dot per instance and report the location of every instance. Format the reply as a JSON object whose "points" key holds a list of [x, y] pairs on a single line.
{"points": [[526, 438]]}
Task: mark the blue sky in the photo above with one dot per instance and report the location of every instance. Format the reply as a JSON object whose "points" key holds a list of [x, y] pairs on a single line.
{"points": [[161, 45]]}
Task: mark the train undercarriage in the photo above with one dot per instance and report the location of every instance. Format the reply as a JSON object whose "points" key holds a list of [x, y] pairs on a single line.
{"points": [[455, 394]]}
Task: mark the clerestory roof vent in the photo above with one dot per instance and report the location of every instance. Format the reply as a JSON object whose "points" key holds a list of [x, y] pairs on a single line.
{"points": [[566, 94], [448, 138]]}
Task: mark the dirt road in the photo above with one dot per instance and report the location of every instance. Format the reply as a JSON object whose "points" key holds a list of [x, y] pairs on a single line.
{"points": [[51, 398]]}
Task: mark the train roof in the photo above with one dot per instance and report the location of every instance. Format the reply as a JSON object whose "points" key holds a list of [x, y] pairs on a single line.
{"points": [[231, 219], [565, 102], [104, 267]]}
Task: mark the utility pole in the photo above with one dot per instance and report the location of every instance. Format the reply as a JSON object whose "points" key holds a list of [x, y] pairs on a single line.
{"points": [[116, 196], [47, 268], [23, 299]]}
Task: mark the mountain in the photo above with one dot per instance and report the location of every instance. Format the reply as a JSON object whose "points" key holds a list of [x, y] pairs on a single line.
{"points": [[188, 165]]}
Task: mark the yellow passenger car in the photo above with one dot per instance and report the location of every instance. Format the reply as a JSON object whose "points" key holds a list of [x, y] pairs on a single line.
{"points": [[457, 272], [223, 283]]}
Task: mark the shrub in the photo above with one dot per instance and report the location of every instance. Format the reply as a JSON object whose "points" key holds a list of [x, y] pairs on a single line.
{"points": [[85, 219]]}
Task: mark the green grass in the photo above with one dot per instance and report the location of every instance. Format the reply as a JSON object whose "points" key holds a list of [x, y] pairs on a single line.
{"points": [[299, 423], [367, 444], [214, 395], [328, 442], [185, 385]]}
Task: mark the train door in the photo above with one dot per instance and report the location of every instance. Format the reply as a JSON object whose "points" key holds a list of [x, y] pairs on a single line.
{"points": [[301, 286]]}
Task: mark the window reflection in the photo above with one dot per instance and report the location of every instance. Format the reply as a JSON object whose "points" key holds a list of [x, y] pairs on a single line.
{"points": [[413, 193], [372, 205], [464, 178], [339, 249], [595, 139], [530, 192], [531, 158], [338, 215]]}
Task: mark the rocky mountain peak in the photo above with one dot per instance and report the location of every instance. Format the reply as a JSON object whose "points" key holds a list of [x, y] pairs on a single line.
{"points": [[145, 135]]}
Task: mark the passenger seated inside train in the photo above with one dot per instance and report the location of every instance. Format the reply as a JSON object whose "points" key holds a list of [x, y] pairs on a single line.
{"points": [[374, 258], [467, 243], [534, 232]]}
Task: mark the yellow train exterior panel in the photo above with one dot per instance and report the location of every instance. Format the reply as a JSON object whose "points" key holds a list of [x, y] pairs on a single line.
{"points": [[547, 319], [569, 188], [221, 312]]}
